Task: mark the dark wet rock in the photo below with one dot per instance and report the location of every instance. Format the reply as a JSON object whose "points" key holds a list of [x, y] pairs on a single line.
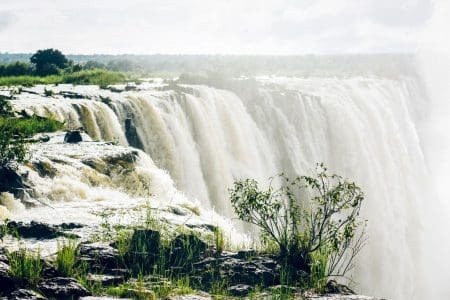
{"points": [[71, 225], [44, 169], [246, 254], [48, 270], [33, 230], [6, 281], [99, 256], [145, 240], [62, 288], [73, 137], [37, 230], [204, 226], [144, 247], [132, 135], [334, 287], [73, 95], [23, 294], [255, 270], [239, 290], [186, 248], [11, 181]]}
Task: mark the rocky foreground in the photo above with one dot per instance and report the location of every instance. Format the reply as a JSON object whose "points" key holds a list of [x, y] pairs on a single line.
{"points": [[246, 273]]}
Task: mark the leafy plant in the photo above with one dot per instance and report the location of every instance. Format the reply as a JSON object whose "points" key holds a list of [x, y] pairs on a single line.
{"points": [[313, 220], [13, 149]]}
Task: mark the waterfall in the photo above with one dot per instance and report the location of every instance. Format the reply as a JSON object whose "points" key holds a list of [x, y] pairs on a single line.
{"points": [[365, 128]]}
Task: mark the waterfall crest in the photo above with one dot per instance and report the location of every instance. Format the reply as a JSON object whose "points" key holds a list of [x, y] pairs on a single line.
{"points": [[364, 128]]}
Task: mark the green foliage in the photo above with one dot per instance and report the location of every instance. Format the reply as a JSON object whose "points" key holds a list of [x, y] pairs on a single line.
{"points": [[28, 80], [15, 69], [13, 149], [5, 107], [66, 257], [26, 267], [98, 77], [48, 62], [219, 240], [319, 236], [103, 78], [29, 126]]}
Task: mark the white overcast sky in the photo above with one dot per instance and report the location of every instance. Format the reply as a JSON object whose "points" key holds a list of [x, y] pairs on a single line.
{"points": [[213, 26]]}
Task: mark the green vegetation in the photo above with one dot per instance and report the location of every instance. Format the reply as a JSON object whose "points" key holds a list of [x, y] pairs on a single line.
{"points": [[66, 258], [99, 77], [13, 131], [26, 267], [50, 66], [13, 149], [29, 126], [320, 236], [48, 62]]}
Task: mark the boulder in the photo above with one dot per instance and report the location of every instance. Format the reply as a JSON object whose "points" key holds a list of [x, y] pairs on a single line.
{"points": [[73, 137], [144, 247], [34, 229], [23, 294], [62, 288], [186, 249], [6, 281], [334, 287], [239, 290], [11, 181], [100, 257]]}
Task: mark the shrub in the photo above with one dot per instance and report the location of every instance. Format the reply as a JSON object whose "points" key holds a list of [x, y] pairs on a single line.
{"points": [[13, 149], [5, 107], [320, 236]]}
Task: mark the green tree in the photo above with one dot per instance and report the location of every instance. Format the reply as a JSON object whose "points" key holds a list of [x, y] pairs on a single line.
{"points": [[48, 61]]}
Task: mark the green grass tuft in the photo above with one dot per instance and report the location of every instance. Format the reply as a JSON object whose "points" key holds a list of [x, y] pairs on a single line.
{"points": [[26, 267], [66, 257]]}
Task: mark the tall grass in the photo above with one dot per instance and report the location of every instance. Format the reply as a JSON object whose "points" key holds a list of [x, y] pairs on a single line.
{"points": [[99, 77], [66, 257], [26, 267], [30, 126]]}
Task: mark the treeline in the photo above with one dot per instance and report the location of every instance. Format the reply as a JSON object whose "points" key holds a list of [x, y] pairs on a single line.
{"points": [[381, 64]]}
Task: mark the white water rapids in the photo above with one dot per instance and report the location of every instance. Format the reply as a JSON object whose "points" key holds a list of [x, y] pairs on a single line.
{"points": [[365, 128]]}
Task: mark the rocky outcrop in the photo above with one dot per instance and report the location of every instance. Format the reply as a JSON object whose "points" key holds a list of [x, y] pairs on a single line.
{"points": [[12, 182], [39, 230], [73, 137], [62, 288]]}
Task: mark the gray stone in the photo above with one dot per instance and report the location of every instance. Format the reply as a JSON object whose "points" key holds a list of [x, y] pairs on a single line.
{"points": [[239, 290], [62, 288], [23, 294], [73, 137]]}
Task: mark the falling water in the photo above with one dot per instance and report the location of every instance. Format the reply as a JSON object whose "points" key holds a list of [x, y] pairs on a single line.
{"points": [[366, 128]]}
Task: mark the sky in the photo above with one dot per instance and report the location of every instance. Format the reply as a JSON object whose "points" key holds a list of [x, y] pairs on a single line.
{"points": [[213, 26]]}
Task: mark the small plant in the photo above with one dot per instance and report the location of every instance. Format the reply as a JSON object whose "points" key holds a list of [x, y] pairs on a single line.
{"points": [[26, 267], [66, 257], [219, 240], [319, 237]]}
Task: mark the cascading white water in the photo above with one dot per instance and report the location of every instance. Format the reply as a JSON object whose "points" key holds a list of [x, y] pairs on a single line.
{"points": [[361, 127]]}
